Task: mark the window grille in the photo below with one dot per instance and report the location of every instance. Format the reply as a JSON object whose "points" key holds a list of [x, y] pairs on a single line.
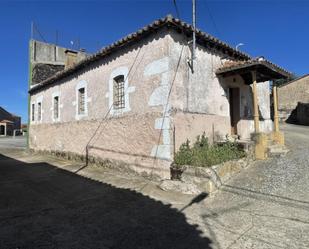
{"points": [[81, 101], [118, 92]]}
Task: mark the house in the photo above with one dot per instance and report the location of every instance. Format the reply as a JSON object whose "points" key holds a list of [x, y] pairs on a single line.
{"points": [[293, 99], [8, 123], [137, 100]]}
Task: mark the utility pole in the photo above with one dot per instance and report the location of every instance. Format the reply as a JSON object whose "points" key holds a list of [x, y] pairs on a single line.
{"points": [[191, 61], [194, 27]]}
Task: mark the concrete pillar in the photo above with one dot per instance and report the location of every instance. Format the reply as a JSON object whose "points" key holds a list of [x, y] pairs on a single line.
{"points": [[255, 104], [276, 118]]}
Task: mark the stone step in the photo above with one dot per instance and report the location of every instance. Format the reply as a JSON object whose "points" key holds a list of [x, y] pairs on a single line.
{"points": [[277, 150]]}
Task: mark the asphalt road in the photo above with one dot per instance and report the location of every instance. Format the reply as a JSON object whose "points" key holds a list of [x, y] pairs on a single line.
{"points": [[43, 206], [18, 142]]}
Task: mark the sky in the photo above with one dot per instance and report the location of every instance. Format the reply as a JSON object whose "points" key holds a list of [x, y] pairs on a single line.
{"points": [[277, 30]]}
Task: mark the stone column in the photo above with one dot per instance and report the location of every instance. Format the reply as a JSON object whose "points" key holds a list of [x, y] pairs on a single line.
{"points": [[255, 104]]}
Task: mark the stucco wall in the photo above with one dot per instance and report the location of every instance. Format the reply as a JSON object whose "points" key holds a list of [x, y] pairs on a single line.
{"points": [[290, 94], [203, 93], [138, 132], [161, 93]]}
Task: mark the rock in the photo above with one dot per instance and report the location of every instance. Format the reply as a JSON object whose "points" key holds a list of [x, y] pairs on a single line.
{"points": [[179, 186]]}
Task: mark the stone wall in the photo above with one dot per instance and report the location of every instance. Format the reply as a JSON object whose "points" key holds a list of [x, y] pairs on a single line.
{"points": [[289, 95]]}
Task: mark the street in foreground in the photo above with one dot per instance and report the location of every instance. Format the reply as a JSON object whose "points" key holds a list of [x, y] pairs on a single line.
{"points": [[44, 205]]}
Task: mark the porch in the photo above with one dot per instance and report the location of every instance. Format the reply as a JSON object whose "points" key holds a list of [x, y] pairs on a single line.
{"points": [[6, 128], [252, 73]]}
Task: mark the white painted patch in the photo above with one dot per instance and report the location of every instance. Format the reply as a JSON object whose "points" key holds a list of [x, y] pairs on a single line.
{"points": [[157, 67], [159, 97], [161, 151]]}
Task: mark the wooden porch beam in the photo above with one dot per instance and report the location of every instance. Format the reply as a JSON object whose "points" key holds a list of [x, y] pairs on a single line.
{"points": [[255, 104]]}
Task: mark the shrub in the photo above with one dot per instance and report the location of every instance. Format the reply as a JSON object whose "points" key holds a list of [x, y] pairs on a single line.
{"points": [[204, 155], [184, 155]]}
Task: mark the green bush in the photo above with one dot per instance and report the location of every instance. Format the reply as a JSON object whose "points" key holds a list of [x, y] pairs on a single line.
{"points": [[204, 155]]}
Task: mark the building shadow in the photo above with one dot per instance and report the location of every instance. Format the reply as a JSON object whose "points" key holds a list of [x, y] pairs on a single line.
{"points": [[42, 206]]}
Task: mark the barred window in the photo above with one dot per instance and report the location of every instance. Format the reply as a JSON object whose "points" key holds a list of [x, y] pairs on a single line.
{"points": [[32, 112], [39, 111], [56, 107], [118, 92], [81, 101]]}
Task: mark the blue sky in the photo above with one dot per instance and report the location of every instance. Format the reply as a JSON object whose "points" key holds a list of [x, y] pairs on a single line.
{"points": [[277, 30]]}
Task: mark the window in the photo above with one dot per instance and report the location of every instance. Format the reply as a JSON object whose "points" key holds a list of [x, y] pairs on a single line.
{"points": [[118, 93], [39, 111], [56, 107], [32, 112], [81, 101]]}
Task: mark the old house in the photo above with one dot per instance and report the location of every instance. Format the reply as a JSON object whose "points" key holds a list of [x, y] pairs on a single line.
{"points": [[8, 123], [293, 99], [135, 101]]}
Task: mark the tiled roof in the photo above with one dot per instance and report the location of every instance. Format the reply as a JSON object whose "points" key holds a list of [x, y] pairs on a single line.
{"points": [[235, 65], [169, 21]]}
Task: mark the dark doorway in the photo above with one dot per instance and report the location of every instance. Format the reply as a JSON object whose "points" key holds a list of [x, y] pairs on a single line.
{"points": [[2, 130], [234, 100]]}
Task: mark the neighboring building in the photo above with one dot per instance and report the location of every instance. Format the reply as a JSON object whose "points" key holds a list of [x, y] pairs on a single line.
{"points": [[8, 123], [293, 98], [138, 99], [48, 59]]}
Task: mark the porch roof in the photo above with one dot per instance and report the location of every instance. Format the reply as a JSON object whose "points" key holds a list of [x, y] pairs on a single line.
{"points": [[6, 121], [264, 69]]}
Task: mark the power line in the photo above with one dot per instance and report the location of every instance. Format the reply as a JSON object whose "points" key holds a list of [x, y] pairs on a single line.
{"points": [[176, 9], [38, 31], [212, 19]]}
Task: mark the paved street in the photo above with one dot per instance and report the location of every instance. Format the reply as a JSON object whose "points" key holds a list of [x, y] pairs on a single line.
{"points": [[44, 205], [18, 142], [265, 206]]}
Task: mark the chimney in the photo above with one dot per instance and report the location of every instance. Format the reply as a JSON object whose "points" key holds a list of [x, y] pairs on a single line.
{"points": [[71, 58]]}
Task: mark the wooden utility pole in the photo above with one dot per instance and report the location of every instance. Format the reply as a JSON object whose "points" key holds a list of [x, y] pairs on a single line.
{"points": [[276, 118], [255, 104]]}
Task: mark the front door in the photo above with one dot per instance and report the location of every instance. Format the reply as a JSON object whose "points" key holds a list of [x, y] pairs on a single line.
{"points": [[234, 100]]}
